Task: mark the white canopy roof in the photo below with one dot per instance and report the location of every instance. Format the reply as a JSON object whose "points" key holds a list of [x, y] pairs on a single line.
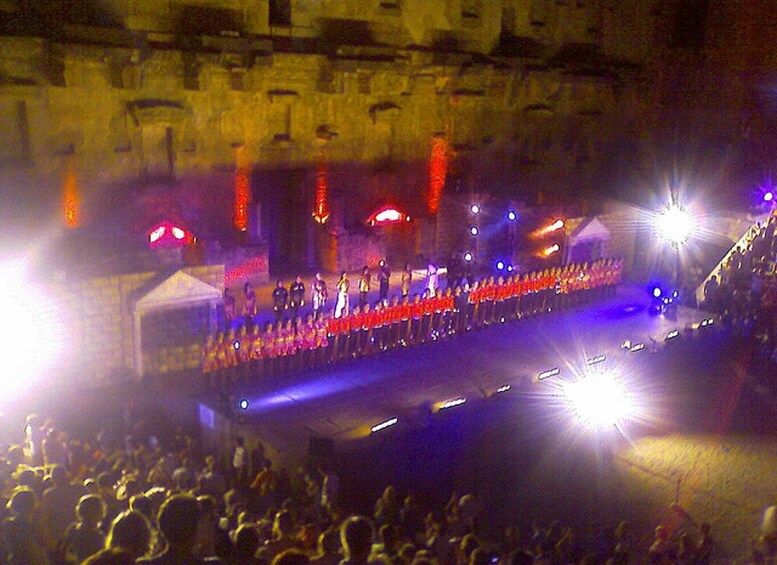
{"points": [[178, 289], [592, 229]]}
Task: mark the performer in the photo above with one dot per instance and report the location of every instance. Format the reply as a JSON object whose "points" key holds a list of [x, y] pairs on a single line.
{"points": [[432, 280], [384, 275], [249, 305], [319, 296], [229, 310], [296, 296], [342, 306], [280, 297], [364, 286], [257, 349], [407, 278]]}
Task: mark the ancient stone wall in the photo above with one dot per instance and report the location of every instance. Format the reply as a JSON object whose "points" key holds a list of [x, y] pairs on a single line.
{"points": [[101, 331]]}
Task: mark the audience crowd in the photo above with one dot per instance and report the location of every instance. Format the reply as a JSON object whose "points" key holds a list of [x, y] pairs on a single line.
{"points": [[744, 291], [74, 501], [401, 321]]}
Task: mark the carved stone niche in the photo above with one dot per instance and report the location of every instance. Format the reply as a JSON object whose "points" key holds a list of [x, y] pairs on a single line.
{"points": [[283, 96], [326, 132], [384, 112], [157, 111]]}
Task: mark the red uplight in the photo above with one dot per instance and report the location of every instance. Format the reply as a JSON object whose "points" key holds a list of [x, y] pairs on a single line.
{"points": [[321, 213], [387, 214], [438, 169], [242, 191], [167, 234]]}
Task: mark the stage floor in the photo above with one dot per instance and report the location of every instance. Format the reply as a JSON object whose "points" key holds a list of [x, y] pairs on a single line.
{"points": [[344, 401]]}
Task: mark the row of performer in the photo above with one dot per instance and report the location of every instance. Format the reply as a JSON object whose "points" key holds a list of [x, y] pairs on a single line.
{"points": [[297, 344]]}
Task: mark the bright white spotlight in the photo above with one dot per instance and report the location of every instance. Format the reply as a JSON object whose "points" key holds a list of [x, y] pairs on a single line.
{"points": [[383, 425], [512, 216], [451, 403], [30, 333], [475, 209], [675, 224], [468, 257], [500, 265], [769, 196], [243, 404], [599, 400], [474, 231]]}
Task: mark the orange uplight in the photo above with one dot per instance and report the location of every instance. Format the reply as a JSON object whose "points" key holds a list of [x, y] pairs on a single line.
{"points": [[550, 228], [70, 200], [242, 194], [438, 168], [321, 212], [550, 250]]}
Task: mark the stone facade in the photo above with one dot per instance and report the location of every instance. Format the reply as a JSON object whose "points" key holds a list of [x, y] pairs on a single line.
{"points": [[100, 327], [149, 104]]}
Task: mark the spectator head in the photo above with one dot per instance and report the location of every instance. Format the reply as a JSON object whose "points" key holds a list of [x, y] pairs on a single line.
{"points": [[23, 502], [130, 531], [479, 556], [329, 542], [468, 544], [111, 556], [247, 541], [284, 524], [356, 537], [90, 509], [388, 536], [141, 503], [291, 557], [178, 519], [59, 475], [522, 558]]}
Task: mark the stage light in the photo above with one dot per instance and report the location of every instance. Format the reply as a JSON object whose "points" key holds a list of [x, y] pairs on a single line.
{"points": [[243, 404], [32, 333], [675, 294], [512, 216], [548, 251], [475, 209], [769, 196], [236, 345], [503, 388], [509, 268], [178, 233], [599, 400], [637, 347], [548, 373], [500, 265], [383, 425], [596, 359], [675, 224], [671, 335], [474, 231], [656, 292], [154, 236], [452, 403], [468, 257], [550, 228]]}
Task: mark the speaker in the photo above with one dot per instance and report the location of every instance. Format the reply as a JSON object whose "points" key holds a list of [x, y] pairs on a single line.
{"points": [[321, 447]]}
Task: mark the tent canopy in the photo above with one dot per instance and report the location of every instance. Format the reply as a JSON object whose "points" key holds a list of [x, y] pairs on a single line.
{"points": [[178, 289], [588, 230]]}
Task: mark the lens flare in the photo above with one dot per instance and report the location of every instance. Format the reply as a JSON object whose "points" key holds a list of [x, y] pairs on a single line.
{"points": [[30, 333], [675, 224], [599, 400]]}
